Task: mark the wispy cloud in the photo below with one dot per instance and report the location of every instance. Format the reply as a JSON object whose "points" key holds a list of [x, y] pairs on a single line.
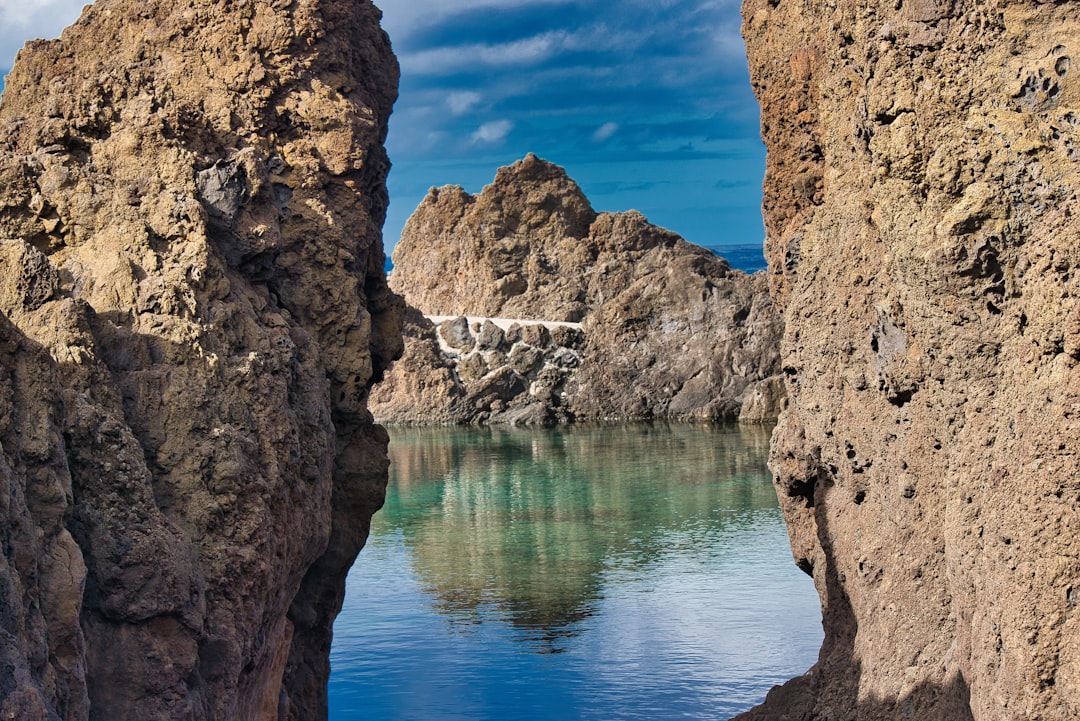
{"points": [[529, 51], [463, 101], [493, 132], [450, 60], [605, 131]]}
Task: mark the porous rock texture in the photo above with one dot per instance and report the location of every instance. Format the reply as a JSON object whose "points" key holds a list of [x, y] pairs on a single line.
{"points": [[923, 224], [192, 310], [668, 329]]}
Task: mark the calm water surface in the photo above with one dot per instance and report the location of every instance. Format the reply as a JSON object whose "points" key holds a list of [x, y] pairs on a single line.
{"points": [[617, 572]]}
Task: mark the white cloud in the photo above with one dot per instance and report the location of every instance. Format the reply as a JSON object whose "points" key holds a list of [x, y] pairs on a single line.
{"points": [[447, 60], [605, 131], [493, 132], [22, 20], [462, 102]]}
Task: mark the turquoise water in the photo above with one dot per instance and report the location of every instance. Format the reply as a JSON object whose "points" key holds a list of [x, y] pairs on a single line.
{"points": [[617, 572]]}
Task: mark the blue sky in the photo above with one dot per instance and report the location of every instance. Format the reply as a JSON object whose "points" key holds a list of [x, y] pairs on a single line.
{"points": [[646, 103]]}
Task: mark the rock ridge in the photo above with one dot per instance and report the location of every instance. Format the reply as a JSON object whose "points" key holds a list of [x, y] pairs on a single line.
{"points": [[192, 311], [667, 329]]}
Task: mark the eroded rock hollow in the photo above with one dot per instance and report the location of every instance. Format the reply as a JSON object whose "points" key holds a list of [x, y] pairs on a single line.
{"points": [[923, 226], [192, 310]]}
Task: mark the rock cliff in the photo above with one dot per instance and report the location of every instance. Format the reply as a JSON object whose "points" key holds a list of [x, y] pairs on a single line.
{"points": [[922, 219], [667, 329], [192, 311]]}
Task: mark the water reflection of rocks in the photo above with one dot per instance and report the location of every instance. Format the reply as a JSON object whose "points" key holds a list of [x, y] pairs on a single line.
{"points": [[526, 523]]}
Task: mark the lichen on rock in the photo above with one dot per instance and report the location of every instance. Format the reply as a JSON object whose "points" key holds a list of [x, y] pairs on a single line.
{"points": [[193, 309]]}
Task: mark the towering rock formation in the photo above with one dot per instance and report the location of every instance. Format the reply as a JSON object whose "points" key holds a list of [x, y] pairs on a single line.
{"points": [[192, 311], [923, 224], [667, 328]]}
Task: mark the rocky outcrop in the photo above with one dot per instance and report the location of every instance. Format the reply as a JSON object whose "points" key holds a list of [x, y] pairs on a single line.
{"points": [[523, 248], [922, 216], [667, 329], [192, 311]]}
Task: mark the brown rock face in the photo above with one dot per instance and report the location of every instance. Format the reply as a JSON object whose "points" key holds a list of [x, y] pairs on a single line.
{"points": [[520, 249], [192, 311], [922, 218], [667, 328]]}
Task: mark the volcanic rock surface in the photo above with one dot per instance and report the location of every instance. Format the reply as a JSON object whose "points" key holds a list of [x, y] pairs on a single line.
{"points": [[192, 310], [667, 329], [923, 223]]}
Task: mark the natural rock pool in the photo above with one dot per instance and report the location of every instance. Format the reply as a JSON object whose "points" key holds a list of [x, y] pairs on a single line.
{"points": [[602, 572]]}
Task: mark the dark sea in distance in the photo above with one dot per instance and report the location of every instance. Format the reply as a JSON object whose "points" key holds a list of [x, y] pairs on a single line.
{"points": [[594, 572], [747, 257]]}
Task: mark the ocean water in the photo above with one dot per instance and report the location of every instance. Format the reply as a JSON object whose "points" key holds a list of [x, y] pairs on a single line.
{"points": [[747, 257], [592, 572]]}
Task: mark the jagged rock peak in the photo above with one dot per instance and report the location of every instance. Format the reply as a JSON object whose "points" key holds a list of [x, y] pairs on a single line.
{"points": [[193, 310], [526, 196], [528, 246], [534, 195], [535, 169]]}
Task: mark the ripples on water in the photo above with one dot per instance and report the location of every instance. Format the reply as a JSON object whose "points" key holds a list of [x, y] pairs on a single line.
{"points": [[610, 572]]}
